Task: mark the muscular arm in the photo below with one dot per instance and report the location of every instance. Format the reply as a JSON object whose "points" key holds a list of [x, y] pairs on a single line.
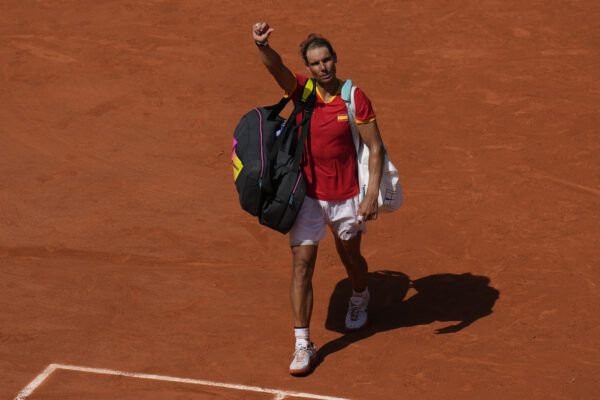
{"points": [[271, 59], [369, 133]]}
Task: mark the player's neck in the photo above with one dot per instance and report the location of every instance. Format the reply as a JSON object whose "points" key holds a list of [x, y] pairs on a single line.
{"points": [[329, 89]]}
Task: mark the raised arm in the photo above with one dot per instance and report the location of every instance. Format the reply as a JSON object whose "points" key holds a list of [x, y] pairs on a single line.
{"points": [[272, 60]]}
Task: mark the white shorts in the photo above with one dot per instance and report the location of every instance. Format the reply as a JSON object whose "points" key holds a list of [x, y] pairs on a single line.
{"points": [[341, 216]]}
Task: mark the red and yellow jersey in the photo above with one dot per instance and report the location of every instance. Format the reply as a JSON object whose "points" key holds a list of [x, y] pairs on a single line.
{"points": [[329, 162]]}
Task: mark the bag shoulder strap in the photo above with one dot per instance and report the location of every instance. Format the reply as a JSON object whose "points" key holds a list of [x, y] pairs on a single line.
{"points": [[276, 109], [348, 91], [309, 87], [309, 96], [307, 101]]}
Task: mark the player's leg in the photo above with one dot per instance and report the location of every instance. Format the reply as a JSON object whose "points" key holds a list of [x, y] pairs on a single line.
{"points": [[301, 293], [357, 270], [347, 232], [355, 264], [305, 235]]}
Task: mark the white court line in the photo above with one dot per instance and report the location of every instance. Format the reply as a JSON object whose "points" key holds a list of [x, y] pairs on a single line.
{"points": [[27, 390], [279, 394]]}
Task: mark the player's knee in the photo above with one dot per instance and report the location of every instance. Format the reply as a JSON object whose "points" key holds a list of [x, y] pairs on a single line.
{"points": [[351, 249], [302, 271]]}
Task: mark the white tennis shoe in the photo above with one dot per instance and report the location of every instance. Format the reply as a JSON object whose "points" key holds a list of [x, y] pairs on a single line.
{"points": [[304, 359], [357, 314]]}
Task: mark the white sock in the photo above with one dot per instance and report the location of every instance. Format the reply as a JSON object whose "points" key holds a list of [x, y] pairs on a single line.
{"points": [[302, 336], [364, 294]]}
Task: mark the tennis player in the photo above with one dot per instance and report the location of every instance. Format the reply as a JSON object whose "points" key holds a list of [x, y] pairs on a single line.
{"points": [[330, 168]]}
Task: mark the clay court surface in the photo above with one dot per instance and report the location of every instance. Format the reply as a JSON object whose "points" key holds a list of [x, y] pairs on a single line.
{"points": [[123, 248]]}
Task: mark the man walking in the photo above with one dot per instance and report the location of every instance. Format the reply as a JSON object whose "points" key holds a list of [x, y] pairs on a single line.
{"points": [[330, 168]]}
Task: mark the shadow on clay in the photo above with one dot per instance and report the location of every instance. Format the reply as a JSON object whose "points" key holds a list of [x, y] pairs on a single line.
{"points": [[461, 299]]}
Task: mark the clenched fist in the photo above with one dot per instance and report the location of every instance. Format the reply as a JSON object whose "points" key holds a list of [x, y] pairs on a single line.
{"points": [[261, 32]]}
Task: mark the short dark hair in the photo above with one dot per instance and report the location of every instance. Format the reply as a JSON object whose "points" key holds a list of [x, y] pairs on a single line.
{"points": [[315, 40]]}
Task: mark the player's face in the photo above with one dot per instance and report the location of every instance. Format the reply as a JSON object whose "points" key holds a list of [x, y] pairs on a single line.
{"points": [[321, 64]]}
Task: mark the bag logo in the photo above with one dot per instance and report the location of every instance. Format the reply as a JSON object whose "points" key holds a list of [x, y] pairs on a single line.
{"points": [[236, 163]]}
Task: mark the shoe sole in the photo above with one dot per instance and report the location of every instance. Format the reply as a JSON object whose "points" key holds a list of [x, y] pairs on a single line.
{"points": [[307, 370]]}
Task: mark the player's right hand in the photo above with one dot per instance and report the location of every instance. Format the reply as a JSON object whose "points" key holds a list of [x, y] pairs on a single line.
{"points": [[261, 31]]}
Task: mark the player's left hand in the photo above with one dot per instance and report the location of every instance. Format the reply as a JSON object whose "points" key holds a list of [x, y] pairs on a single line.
{"points": [[368, 208]]}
